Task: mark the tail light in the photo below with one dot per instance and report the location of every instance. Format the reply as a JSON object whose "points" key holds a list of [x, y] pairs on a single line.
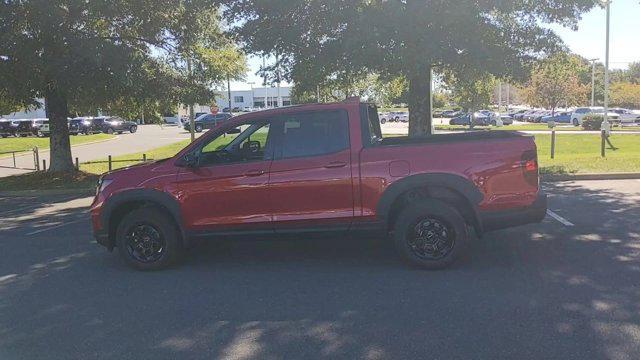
{"points": [[529, 164]]}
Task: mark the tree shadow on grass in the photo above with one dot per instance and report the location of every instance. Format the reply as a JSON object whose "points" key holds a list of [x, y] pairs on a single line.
{"points": [[538, 291]]}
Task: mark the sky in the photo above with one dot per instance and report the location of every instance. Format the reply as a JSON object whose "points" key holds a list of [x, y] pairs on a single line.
{"points": [[588, 40]]}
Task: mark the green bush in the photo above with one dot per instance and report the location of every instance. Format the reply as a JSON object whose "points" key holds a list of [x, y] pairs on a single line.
{"points": [[592, 122]]}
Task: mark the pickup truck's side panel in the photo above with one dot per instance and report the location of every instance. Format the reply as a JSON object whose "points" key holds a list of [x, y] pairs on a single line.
{"points": [[494, 168]]}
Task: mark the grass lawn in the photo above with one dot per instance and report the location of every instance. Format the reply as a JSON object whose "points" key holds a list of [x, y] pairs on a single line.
{"points": [[581, 154], [28, 143], [44, 180]]}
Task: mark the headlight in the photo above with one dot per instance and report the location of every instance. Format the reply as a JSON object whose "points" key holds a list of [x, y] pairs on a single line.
{"points": [[86, 122]]}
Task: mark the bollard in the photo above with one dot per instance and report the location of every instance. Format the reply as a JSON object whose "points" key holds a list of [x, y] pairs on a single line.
{"points": [[36, 158], [77, 164], [14, 159], [603, 135], [44, 164], [110, 165], [553, 143], [144, 157]]}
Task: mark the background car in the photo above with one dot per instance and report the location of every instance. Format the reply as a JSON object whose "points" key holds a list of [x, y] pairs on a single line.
{"points": [[115, 124], [75, 126], [40, 127], [207, 121], [22, 127], [5, 128], [579, 114], [452, 113], [626, 116], [399, 116], [561, 117]]}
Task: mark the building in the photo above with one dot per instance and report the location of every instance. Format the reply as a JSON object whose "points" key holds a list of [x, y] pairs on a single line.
{"points": [[256, 98], [36, 113]]}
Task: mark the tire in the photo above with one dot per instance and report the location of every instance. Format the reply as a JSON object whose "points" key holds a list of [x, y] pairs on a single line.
{"points": [[383, 120], [169, 242], [575, 122], [133, 129], [198, 128], [435, 217], [110, 131]]}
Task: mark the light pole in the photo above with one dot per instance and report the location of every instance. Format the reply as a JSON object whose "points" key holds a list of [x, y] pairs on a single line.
{"points": [[605, 123], [593, 81], [252, 101]]}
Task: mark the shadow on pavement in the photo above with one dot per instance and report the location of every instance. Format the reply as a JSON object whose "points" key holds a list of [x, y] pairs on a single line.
{"points": [[539, 291]]}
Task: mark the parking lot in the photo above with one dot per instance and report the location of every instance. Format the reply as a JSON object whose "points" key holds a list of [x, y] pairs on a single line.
{"points": [[567, 288]]}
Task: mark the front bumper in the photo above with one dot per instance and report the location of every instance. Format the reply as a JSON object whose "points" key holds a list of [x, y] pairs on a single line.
{"points": [[534, 213]]}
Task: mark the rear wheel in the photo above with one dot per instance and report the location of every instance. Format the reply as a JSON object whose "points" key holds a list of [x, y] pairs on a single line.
{"points": [[133, 129], [575, 122], [430, 235], [147, 239], [110, 131], [198, 128]]}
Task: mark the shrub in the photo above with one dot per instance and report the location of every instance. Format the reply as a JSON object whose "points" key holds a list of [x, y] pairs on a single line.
{"points": [[592, 122]]}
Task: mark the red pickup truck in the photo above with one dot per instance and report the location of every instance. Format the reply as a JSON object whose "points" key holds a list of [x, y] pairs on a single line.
{"points": [[321, 168]]}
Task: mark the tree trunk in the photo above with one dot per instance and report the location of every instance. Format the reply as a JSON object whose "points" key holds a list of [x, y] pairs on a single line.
{"points": [[57, 111], [420, 102]]}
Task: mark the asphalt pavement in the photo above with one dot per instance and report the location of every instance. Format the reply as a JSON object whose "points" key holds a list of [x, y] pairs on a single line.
{"points": [[565, 289]]}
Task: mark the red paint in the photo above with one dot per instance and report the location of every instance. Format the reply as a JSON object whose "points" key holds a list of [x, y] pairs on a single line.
{"points": [[343, 187]]}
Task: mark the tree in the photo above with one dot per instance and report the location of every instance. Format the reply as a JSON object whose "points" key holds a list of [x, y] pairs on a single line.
{"points": [[625, 94], [472, 92], [402, 38], [554, 82], [78, 54]]}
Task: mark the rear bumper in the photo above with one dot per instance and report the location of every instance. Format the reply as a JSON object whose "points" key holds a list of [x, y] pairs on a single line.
{"points": [[535, 213]]}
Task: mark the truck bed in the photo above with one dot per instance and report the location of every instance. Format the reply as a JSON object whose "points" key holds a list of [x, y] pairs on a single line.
{"points": [[478, 135]]}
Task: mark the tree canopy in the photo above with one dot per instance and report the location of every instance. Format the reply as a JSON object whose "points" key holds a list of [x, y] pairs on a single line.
{"points": [[318, 38], [79, 54], [555, 82]]}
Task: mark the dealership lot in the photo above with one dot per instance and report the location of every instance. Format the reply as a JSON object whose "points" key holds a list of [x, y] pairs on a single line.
{"points": [[566, 288]]}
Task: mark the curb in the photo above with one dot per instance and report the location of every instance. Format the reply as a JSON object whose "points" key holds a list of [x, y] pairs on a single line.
{"points": [[18, 193], [604, 176]]}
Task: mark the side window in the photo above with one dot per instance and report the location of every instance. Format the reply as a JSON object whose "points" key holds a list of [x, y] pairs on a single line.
{"points": [[243, 143], [314, 133]]}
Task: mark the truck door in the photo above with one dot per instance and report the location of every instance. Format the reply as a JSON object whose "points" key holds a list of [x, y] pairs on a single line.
{"points": [[310, 184]]}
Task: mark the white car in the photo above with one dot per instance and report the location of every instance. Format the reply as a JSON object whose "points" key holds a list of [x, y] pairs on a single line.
{"points": [[399, 116], [626, 116], [579, 113]]}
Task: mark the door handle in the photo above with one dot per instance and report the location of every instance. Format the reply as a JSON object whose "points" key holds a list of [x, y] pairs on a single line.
{"points": [[254, 173], [335, 164]]}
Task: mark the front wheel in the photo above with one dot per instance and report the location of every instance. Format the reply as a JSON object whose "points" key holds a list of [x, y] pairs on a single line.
{"points": [[383, 120], [575, 122], [198, 128], [133, 129], [148, 239], [431, 234], [110, 131]]}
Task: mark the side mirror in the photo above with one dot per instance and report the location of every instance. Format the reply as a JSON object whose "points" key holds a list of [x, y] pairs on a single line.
{"points": [[189, 160]]}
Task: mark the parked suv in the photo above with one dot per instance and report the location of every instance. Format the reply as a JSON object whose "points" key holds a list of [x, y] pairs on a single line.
{"points": [[321, 169], [207, 121], [5, 128], [115, 124]]}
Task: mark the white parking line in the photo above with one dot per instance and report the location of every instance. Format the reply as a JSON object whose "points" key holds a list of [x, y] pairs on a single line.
{"points": [[54, 227], [560, 219]]}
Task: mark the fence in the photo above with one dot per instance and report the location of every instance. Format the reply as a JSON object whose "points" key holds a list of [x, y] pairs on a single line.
{"points": [[110, 161], [14, 163]]}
